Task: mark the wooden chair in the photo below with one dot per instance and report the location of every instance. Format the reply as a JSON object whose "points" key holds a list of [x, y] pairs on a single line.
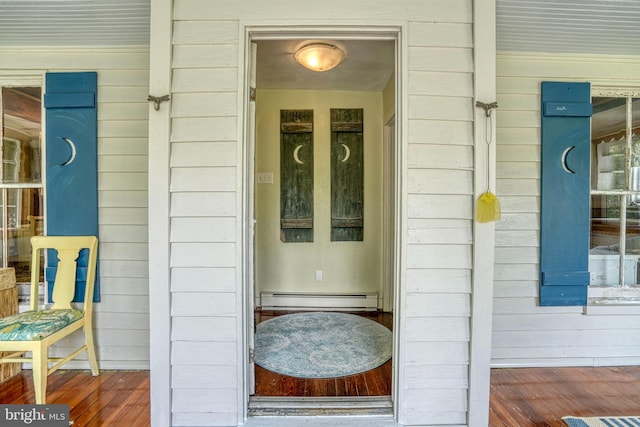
{"points": [[37, 329], [36, 224]]}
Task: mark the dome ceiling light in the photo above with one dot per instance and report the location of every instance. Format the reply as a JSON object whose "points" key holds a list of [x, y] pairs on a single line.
{"points": [[319, 56]]}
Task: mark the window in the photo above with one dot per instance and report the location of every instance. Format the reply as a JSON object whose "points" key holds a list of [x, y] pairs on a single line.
{"points": [[615, 189], [21, 187]]}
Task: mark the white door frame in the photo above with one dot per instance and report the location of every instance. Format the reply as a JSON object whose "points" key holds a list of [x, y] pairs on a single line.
{"points": [[250, 34], [389, 214]]}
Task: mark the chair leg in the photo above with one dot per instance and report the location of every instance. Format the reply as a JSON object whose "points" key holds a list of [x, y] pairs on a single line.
{"points": [[91, 351], [40, 372]]}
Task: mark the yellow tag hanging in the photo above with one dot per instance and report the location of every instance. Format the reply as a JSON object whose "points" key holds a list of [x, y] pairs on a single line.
{"points": [[488, 208]]}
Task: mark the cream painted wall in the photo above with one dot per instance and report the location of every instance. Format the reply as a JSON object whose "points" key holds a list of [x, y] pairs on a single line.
{"points": [[346, 266]]}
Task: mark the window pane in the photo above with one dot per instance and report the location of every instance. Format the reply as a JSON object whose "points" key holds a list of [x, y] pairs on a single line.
{"points": [[609, 143], [25, 213], [605, 224], [21, 135], [632, 245], [635, 151]]}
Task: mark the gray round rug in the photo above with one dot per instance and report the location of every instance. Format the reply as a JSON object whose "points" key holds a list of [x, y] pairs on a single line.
{"points": [[321, 344]]}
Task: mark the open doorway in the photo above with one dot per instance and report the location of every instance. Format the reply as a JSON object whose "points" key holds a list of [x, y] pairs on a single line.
{"points": [[318, 269]]}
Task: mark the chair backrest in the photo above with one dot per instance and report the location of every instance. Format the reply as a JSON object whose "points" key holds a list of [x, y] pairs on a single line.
{"points": [[36, 224], [68, 250]]}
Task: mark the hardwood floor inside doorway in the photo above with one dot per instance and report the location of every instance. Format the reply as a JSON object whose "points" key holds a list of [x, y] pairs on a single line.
{"points": [[376, 382]]}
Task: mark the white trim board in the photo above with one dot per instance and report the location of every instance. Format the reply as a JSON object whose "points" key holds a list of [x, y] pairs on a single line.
{"points": [[484, 15], [159, 214]]}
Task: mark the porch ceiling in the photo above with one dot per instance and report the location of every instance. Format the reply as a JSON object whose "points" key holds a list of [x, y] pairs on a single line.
{"points": [[556, 26], [569, 26]]}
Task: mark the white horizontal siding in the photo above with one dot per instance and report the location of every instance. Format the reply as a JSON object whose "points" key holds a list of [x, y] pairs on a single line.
{"points": [[121, 317], [203, 129], [439, 236], [205, 197], [207, 279], [201, 154], [430, 280], [450, 206], [434, 231], [439, 132], [525, 334], [203, 179], [196, 204], [204, 185], [127, 199]]}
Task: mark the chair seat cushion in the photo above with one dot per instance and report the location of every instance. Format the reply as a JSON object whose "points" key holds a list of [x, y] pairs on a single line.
{"points": [[36, 325]]}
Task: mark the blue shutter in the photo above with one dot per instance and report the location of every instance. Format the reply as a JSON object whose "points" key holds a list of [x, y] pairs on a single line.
{"points": [[72, 165], [565, 200]]}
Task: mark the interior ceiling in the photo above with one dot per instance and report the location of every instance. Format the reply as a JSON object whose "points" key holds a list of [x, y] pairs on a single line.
{"points": [[555, 26], [367, 66]]}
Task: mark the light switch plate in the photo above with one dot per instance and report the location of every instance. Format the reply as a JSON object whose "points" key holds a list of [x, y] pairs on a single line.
{"points": [[265, 178]]}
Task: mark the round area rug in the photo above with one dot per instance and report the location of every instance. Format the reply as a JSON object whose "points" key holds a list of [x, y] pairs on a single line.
{"points": [[321, 344]]}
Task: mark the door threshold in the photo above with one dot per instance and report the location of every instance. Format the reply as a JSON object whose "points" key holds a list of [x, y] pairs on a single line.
{"points": [[313, 406]]}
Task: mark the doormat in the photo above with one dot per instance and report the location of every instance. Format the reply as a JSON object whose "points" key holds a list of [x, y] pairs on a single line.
{"points": [[602, 421], [321, 344]]}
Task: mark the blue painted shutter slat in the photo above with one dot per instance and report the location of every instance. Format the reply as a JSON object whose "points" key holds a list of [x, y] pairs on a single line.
{"points": [[565, 200], [72, 165]]}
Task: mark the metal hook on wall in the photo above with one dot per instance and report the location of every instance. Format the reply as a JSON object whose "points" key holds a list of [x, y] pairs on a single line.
{"points": [[157, 100], [487, 107]]}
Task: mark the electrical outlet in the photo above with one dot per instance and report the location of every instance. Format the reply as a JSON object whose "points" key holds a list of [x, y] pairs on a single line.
{"points": [[319, 275]]}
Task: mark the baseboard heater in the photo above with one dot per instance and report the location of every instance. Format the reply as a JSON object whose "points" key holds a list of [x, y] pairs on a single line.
{"points": [[315, 301]]}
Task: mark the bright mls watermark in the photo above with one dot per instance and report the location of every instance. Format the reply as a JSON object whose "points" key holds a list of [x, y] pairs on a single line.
{"points": [[34, 415]]}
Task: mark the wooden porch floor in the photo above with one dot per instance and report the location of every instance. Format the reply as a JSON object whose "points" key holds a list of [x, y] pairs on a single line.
{"points": [[540, 397], [113, 398], [522, 397]]}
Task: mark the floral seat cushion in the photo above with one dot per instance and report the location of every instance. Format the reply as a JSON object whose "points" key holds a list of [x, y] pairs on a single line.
{"points": [[36, 325]]}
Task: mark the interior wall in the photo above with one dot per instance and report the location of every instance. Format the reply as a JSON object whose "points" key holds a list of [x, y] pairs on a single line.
{"points": [[346, 266]]}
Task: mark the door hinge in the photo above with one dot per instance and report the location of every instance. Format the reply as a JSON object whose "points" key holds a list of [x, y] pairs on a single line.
{"points": [[252, 94], [250, 355]]}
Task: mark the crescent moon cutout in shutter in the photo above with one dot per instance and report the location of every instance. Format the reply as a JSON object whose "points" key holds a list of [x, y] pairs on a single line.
{"points": [[296, 152], [566, 168], [347, 153], [73, 151]]}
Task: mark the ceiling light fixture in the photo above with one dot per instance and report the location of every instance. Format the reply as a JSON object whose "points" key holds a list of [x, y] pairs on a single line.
{"points": [[319, 56]]}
